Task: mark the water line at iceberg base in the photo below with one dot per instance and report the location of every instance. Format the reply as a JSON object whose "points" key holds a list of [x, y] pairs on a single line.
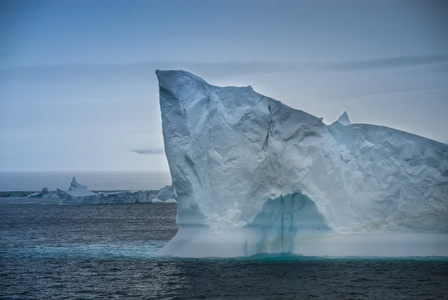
{"points": [[256, 177], [291, 227]]}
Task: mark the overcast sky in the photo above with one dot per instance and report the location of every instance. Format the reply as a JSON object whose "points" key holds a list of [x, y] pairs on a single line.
{"points": [[78, 89]]}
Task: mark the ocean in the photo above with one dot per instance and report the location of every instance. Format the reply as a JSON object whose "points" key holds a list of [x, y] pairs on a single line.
{"points": [[95, 180], [49, 251]]}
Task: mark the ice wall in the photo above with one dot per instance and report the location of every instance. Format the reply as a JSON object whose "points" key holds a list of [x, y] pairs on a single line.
{"points": [[253, 175]]}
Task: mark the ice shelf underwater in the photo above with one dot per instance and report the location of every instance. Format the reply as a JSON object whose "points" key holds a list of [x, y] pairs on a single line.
{"points": [[253, 175]]}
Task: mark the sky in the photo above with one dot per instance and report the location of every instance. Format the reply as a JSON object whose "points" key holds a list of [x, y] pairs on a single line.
{"points": [[78, 90]]}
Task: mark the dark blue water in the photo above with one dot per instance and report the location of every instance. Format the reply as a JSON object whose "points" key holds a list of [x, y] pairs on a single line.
{"points": [[107, 252]]}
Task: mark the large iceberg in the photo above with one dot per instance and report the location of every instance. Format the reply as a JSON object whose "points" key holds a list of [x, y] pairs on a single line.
{"points": [[253, 175]]}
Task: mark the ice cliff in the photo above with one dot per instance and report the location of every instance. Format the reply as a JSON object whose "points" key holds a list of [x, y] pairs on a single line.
{"points": [[253, 175]]}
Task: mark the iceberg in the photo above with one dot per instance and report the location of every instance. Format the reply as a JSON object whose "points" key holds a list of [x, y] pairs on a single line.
{"points": [[253, 175], [166, 194], [45, 193], [79, 194], [78, 190]]}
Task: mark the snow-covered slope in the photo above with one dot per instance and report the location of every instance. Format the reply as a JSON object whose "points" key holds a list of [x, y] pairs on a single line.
{"points": [[254, 175]]}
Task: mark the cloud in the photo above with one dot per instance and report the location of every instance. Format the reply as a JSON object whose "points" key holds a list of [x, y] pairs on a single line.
{"points": [[118, 72], [424, 91], [149, 151], [381, 63], [139, 69]]}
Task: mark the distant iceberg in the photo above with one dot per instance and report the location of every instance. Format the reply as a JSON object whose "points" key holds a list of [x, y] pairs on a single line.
{"points": [[253, 175], [79, 194], [45, 193]]}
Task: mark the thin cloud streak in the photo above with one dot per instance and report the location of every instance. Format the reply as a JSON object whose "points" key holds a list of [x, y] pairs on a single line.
{"points": [[231, 68], [149, 151], [393, 93], [383, 63]]}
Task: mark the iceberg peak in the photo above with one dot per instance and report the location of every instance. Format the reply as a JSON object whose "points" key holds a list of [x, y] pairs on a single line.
{"points": [[343, 119], [77, 189], [74, 183]]}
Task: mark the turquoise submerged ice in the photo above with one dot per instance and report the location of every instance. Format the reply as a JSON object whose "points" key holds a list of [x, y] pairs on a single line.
{"points": [[253, 175]]}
